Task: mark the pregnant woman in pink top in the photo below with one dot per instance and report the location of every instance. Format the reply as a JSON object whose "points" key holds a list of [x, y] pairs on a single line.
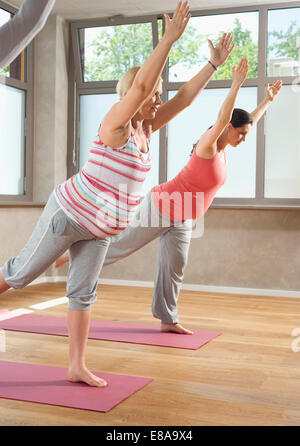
{"points": [[205, 173]]}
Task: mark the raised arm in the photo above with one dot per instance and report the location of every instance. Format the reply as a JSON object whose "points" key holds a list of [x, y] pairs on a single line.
{"points": [[118, 118], [271, 94], [18, 32], [189, 91], [207, 144]]}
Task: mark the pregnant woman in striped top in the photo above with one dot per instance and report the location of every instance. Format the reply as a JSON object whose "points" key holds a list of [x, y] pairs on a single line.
{"points": [[87, 211]]}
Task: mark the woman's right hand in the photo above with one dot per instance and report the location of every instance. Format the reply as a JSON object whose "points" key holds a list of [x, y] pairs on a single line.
{"points": [[240, 72], [176, 26]]}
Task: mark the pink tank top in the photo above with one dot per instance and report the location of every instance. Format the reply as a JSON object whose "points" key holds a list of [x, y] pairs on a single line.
{"points": [[191, 192]]}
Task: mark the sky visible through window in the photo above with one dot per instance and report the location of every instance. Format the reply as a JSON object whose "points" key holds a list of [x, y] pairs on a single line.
{"points": [[284, 42], [4, 16], [280, 20]]}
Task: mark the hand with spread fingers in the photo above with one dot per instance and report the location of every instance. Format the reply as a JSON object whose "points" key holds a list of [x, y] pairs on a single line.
{"points": [[220, 53], [180, 19], [273, 90]]}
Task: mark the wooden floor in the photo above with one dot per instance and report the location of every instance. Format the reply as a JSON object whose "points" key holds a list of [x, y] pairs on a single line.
{"points": [[248, 376]]}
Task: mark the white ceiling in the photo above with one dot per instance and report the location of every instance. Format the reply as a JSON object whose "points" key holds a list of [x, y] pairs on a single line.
{"points": [[80, 9]]}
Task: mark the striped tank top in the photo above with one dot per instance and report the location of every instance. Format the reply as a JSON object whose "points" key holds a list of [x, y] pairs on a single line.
{"points": [[103, 196]]}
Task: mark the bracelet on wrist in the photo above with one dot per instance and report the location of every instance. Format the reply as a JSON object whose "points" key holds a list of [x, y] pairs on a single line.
{"points": [[214, 67]]}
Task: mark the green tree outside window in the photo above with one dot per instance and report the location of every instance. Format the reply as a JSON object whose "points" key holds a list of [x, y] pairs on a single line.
{"points": [[117, 49]]}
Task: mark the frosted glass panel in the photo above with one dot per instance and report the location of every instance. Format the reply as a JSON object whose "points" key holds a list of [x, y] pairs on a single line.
{"points": [[187, 127], [282, 179], [12, 143], [93, 108]]}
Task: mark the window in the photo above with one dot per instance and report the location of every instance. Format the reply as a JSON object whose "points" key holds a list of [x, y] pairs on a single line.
{"points": [[260, 174], [192, 49], [183, 133], [15, 131], [186, 129], [284, 42], [108, 52], [282, 179], [282, 150], [12, 112]]}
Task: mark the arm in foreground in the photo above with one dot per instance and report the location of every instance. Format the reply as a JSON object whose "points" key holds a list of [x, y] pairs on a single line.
{"points": [[18, 32]]}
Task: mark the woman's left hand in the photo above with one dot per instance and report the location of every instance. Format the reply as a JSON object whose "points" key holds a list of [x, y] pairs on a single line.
{"points": [[220, 53], [273, 90]]}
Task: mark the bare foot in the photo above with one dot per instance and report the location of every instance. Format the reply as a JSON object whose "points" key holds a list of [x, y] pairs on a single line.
{"points": [[84, 375], [62, 260], [175, 328]]}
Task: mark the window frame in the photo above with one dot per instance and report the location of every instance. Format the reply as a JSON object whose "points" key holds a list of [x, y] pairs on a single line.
{"points": [[27, 87], [79, 87]]}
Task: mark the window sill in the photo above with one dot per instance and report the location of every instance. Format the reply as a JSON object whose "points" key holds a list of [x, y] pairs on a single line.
{"points": [[24, 204]]}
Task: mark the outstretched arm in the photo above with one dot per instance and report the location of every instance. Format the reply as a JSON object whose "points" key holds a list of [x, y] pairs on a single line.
{"points": [[118, 118], [271, 94], [206, 146], [18, 32], [189, 91]]}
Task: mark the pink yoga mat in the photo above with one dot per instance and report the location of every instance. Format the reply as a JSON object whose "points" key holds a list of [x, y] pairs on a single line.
{"points": [[48, 385], [110, 331]]}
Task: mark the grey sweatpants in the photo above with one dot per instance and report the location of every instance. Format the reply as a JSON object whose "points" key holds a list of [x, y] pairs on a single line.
{"points": [[174, 241], [54, 233]]}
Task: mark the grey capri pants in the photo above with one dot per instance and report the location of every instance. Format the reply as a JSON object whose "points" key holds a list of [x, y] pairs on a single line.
{"points": [[54, 233], [174, 242]]}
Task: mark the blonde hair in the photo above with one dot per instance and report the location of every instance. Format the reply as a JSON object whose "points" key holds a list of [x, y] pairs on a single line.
{"points": [[126, 81]]}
